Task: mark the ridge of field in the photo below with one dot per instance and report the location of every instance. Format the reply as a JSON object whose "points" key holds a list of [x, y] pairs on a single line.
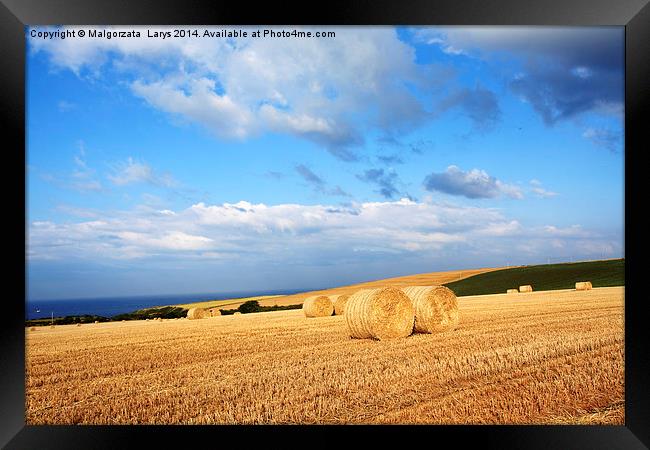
{"points": [[422, 279], [545, 277], [545, 357], [219, 303]]}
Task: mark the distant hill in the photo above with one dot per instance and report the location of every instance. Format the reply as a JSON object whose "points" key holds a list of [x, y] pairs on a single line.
{"points": [[543, 277], [421, 279]]}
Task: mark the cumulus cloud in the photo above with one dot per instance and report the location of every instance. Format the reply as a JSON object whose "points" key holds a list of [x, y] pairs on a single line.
{"points": [[172, 240], [473, 184], [285, 233], [566, 71], [197, 101], [327, 91], [247, 228]]}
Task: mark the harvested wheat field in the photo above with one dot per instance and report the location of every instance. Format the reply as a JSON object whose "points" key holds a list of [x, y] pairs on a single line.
{"points": [[551, 357], [421, 279]]}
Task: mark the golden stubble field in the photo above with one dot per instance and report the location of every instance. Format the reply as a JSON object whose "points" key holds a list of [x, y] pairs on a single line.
{"points": [[541, 358], [421, 279]]}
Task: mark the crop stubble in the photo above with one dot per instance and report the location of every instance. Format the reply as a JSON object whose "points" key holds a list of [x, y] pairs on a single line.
{"points": [[541, 357]]}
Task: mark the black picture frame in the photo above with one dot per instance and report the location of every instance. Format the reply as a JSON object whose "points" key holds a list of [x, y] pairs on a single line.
{"points": [[634, 15]]}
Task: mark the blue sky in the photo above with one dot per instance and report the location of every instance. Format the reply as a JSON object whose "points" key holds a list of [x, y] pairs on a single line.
{"points": [[207, 165]]}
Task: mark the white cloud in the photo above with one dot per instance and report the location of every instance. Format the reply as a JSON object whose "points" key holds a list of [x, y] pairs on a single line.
{"points": [[543, 193], [510, 228], [138, 172], [266, 230], [433, 36], [539, 191], [173, 240], [328, 91], [567, 71], [571, 231], [263, 234], [200, 104], [605, 138], [474, 183]]}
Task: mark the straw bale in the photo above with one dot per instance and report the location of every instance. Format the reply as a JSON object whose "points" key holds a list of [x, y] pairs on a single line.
{"points": [[381, 313], [318, 306], [197, 313], [339, 302], [436, 308]]}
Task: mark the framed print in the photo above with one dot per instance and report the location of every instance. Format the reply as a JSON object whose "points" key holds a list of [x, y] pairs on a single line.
{"points": [[413, 218]]}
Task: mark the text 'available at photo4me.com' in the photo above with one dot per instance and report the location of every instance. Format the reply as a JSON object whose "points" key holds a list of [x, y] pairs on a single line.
{"points": [[208, 33]]}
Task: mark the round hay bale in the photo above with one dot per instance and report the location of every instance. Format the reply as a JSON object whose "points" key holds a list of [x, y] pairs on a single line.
{"points": [[78, 324], [339, 302], [436, 308], [237, 313], [526, 288], [32, 329], [318, 306], [381, 313], [512, 291], [197, 313], [583, 285], [96, 321], [215, 312]]}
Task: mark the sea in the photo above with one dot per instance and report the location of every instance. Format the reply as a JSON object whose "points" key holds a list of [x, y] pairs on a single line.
{"points": [[111, 306]]}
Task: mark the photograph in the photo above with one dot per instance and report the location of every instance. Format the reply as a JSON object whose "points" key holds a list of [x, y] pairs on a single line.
{"points": [[325, 225]]}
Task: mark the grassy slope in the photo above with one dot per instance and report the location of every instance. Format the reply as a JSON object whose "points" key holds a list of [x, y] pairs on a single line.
{"points": [[543, 278]]}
